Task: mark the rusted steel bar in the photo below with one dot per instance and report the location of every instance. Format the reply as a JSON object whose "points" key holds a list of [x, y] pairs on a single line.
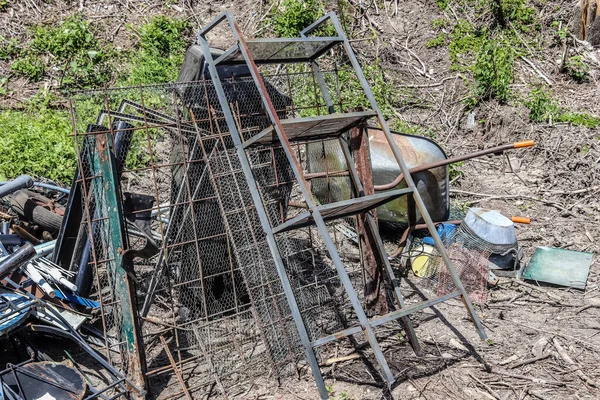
{"points": [[375, 297], [452, 160], [176, 370]]}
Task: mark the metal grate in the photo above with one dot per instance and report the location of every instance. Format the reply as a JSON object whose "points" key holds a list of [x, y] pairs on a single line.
{"points": [[205, 279]]}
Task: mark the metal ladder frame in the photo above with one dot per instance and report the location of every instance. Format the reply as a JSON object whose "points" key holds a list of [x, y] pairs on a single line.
{"points": [[366, 325]]}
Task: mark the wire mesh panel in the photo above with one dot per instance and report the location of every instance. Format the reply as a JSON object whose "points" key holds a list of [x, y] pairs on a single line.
{"points": [[206, 281]]}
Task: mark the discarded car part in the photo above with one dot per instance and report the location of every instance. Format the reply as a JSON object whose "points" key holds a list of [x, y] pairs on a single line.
{"points": [[43, 380], [35, 208], [14, 310], [452, 160], [51, 187], [21, 182], [11, 240], [16, 259], [119, 384], [559, 267]]}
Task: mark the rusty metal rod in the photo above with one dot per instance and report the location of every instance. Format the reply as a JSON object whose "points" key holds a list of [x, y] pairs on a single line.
{"points": [[452, 160]]}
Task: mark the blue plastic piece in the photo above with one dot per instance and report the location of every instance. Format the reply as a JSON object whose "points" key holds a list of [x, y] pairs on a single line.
{"points": [[444, 230], [73, 298]]}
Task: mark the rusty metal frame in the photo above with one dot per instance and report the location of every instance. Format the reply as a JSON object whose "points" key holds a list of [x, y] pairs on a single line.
{"points": [[316, 218]]}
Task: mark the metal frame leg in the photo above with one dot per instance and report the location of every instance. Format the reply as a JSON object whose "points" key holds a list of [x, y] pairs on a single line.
{"points": [[302, 332]]}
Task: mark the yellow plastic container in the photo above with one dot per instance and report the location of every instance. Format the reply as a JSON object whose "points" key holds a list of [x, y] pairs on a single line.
{"points": [[423, 261]]}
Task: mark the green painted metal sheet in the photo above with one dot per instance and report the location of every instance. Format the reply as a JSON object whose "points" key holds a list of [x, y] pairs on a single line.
{"points": [[559, 267], [107, 195]]}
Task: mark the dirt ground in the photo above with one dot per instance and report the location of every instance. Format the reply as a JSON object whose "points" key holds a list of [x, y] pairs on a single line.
{"points": [[544, 340]]}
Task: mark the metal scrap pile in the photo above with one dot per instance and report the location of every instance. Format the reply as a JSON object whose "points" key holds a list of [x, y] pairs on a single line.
{"points": [[210, 236]]}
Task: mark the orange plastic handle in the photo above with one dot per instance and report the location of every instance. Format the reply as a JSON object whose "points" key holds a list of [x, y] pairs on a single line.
{"points": [[527, 143], [521, 220]]}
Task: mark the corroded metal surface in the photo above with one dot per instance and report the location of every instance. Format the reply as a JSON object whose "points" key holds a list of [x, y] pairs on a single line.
{"points": [[432, 184]]}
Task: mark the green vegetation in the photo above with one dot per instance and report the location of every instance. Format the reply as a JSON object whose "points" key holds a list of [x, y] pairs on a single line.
{"points": [[465, 43], [439, 23], [9, 48], [487, 51], [493, 70], [159, 53], [455, 170], [291, 16], [543, 109], [577, 69], [71, 49], [34, 142], [30, 66], [541, 106], [437, 41]]}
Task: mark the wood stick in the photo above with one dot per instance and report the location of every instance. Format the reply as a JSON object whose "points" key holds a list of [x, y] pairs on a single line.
{"points": [[486, 387], [175, 369], [529, 361], [334, 360], [566, 358], [537, 71], [530, 378]]}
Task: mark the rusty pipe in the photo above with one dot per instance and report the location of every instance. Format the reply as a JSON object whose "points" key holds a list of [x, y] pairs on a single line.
{"points": [[451, 160]]}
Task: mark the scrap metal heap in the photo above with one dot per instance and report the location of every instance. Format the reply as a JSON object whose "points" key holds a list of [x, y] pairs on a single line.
{"points": [[209, 255]]}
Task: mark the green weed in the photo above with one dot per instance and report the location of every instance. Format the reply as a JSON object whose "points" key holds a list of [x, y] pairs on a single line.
{"points": [[493, 70], [465, 43], [9, 48], [36, 142], [455, 170], [542, 109], [439, 23], [519, 13], [71, 48], [541, 106], [160, 51], [437, 41], [30, 66], [3, 85], [294, 15], [577, 69], [579, 119]]}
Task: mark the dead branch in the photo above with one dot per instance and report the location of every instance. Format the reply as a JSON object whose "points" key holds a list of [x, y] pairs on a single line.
{"points": [[566, 358], [529, 361]]}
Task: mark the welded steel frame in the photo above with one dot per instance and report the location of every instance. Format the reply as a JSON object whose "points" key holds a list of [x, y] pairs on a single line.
{"points": [[366, 325], [398, 156], [262, 214]]}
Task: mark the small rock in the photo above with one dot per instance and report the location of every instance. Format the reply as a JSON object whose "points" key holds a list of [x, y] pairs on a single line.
{"points": [[458, 345], [539, 346]]}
